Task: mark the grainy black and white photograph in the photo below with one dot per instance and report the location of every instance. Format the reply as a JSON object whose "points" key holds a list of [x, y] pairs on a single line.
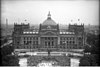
{"points": [[49, 33]]}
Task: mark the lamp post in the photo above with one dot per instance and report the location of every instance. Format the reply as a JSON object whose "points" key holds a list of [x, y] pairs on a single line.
{"points": [[48, 50]]}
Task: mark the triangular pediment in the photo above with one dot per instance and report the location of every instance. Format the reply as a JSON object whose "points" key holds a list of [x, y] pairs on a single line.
{"points": [[49, 33]]}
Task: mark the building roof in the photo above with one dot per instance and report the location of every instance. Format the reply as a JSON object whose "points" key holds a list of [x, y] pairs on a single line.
{"points": [[49, 20]]}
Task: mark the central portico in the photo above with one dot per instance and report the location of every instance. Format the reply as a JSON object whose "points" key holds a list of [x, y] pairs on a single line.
{"points": [[49, 32]]}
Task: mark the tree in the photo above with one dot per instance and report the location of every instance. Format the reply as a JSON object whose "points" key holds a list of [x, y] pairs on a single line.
{"points": [[93, 41], [87, 49], [7, 58], [6, 50], [93, 58], [10, 61], [84, 62], [4, 41], [88, 60]]}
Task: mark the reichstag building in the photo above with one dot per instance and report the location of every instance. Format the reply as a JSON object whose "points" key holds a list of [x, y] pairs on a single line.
{"points": [[48, 36]]}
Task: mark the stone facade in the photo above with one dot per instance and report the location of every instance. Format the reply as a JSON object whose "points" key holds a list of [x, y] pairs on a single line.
{"points": [[48, 36]]}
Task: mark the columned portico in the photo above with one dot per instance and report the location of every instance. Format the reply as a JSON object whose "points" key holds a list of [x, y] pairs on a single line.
{"points": [[48, 42]]}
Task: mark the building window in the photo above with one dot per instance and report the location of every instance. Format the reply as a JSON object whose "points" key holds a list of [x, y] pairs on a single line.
{"points": [[17, 47], [61, 38], [80, 47], [48, 38], [52, 38], [37, 38], [24, 38], [33, 38], [33, 42], [73, 42], [45, 38], [52, 43], [79, 38], [70, 42], [45, 44], [30, 42], [30, 38], [73, 38], [24, 42], [67, 42], [27, 38], [17, 42], [60, 46], [27, 43], [70, 47], [36, 46], [69, 38], [24, 47], [79, 43], [36, 42], [49, 44], [60, 42]]}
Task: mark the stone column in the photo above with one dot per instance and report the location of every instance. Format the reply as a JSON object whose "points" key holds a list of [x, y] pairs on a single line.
{"points": [[74, 62], [22, 40], [58, 42], [39, 42]]}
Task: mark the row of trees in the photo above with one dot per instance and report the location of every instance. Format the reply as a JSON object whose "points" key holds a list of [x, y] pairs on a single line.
{"points": [[3, 40], [91, 59], [7, 58]]}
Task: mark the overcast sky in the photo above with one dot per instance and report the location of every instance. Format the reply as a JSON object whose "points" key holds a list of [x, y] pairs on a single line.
{"points": [[62, 12]]}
